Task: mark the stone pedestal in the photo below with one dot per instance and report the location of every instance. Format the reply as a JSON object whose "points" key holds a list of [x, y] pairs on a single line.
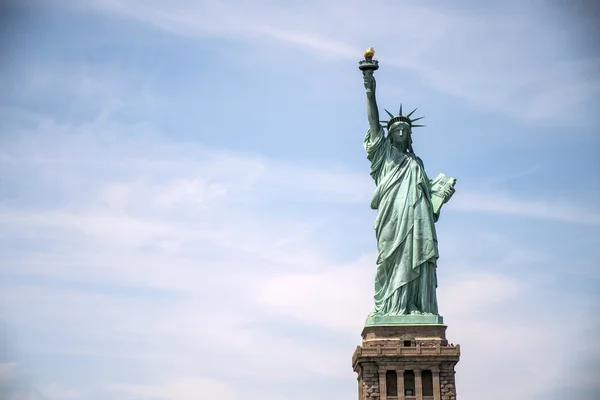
{"points": [[406, 362]]}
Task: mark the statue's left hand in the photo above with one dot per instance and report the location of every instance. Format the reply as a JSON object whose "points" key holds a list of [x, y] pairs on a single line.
{"points": [[448, 194]]}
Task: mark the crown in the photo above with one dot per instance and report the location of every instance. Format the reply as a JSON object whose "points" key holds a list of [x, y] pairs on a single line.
{"points": [[402, 118]]}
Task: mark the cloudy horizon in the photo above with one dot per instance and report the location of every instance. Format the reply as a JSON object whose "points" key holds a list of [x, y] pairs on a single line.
{"points": [[184, 202]]}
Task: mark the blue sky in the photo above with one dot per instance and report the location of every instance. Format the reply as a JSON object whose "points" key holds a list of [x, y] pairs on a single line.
{"points": [[184, 196]]}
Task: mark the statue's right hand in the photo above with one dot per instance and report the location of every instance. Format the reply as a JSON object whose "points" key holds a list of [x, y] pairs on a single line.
{"points": [[369, 81]]}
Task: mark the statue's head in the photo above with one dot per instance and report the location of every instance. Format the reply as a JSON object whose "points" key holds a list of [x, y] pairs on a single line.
{"points": [[400, 126]]}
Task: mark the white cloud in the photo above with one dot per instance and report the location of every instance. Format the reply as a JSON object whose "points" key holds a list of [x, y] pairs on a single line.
{"points": [[476, 291], [58, 392], [14, 384], [180, 389], [502, 203], [122, 229], [7, 370], [482, 58], [229, 309], [327, 299], [128, 210]]}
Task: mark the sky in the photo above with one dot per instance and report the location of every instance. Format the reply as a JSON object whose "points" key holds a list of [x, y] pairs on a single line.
{"points": [[184, 193]]}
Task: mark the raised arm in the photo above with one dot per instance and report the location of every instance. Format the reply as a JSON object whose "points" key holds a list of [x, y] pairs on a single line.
{"points": [[372, 111]]}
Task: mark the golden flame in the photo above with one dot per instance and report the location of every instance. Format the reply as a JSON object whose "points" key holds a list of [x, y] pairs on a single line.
{"points": [[370, 52]]}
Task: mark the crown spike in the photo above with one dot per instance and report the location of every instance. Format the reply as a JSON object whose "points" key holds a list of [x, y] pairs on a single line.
{"points": [[411, 113], [400, 112], [389, 113], [416, 119], [418, 126]]}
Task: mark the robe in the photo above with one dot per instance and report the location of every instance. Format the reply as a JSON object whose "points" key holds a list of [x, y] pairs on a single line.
{"points": [[405, 279]]}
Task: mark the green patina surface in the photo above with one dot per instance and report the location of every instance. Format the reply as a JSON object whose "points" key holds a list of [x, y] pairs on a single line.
{"points": [[408, 204], [404, 320]]}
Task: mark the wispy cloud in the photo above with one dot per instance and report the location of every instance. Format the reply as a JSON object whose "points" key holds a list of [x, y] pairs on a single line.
{"points": [[476, 56], [326, 299], [181, 389], [516, 175], [176, 233], [501, 203], [15, 385], [58, 392], [131, 251]]}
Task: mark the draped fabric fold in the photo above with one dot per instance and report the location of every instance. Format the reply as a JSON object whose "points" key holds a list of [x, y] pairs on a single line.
{"points": [[405, 280]]}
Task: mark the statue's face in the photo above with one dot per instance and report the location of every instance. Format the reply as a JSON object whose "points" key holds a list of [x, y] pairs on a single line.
{"points": [[400, 134]]}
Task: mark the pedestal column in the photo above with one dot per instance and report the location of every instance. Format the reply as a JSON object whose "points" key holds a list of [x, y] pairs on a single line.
{"points": [[437, 392], [400, 375], [418, 384], [360, 396], [382, 385]]}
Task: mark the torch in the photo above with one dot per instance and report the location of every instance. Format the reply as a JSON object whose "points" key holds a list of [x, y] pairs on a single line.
{"points": [[368, 64]]}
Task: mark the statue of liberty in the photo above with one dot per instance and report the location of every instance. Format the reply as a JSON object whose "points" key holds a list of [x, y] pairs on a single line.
{"points": [[408, 205]]}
